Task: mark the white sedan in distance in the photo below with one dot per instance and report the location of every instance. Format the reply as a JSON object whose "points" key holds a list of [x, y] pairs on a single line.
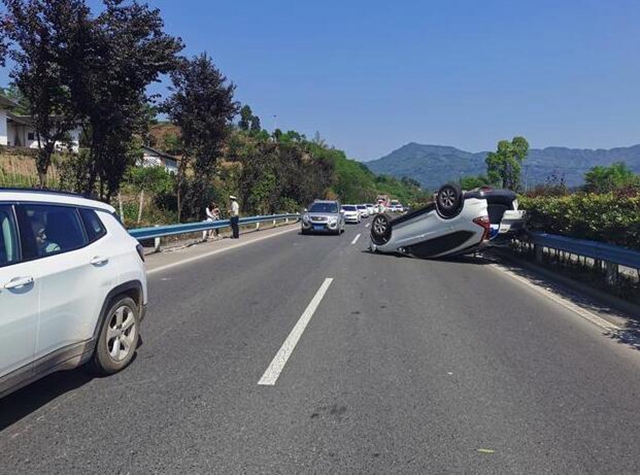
{"points": [[351, 214]]}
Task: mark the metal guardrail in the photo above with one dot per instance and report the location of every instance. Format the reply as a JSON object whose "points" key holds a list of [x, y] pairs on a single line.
{"points": [[612, 256], [175, 229], [593, 249]]}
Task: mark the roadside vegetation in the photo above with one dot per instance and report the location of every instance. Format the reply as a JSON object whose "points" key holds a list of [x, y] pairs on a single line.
{"points": [[75, 68]]}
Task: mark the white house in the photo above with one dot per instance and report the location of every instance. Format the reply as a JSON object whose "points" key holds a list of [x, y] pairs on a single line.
{"points": [[17, 130], [6, 105], [155, 158]]}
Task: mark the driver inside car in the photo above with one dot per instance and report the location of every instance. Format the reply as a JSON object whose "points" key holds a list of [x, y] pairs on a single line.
{"points": [[43, 245]]}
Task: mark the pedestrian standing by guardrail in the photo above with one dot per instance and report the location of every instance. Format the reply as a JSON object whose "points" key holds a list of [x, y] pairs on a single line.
{"points": [[235, 216], [213, 214]]}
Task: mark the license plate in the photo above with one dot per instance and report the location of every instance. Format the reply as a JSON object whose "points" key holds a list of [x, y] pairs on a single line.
{"points": [[318, 227]]}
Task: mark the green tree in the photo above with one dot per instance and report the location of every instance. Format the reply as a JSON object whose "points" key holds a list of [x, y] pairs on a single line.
{"points": [[246, 114], [128, 50], [255, 124], [602, 179], [471, 182], [45, 40], [202, 106], [504, 165]]}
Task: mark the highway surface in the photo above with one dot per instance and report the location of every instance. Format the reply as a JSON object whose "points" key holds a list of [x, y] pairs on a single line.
{"points": [[305, 354]]}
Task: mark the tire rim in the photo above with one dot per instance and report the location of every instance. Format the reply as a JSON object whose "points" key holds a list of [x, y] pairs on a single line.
{"points": [[447, 198], [121, 333], [379, 227]]}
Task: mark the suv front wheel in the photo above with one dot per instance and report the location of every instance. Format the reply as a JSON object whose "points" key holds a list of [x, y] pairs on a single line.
{"points": [[118, 337]]}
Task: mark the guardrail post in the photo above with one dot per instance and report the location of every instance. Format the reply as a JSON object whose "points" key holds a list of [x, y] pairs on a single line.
{"points": [[537, 250], [612, 273], [274, 223], [286, 220], [156, 242], [258, 226]]}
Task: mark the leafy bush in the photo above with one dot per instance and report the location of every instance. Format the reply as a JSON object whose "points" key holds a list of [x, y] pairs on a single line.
{"points": [[612, 217]]}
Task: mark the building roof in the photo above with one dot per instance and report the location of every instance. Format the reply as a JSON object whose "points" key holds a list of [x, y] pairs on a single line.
{"points": [[20, 119], [5, 102], [160, 153]]}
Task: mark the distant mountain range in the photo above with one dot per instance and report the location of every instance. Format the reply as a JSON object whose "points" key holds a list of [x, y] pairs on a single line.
{"points": [[433, 165]]}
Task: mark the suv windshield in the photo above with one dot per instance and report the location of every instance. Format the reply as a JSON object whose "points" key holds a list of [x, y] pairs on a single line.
{"points": [[323, 208], [349, 208], [362, 207]]}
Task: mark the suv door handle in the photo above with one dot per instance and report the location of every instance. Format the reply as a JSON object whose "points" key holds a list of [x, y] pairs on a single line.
{"points": [[18, 282], [98, 261]]}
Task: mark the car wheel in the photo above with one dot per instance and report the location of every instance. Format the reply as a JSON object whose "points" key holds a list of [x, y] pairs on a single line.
{"points": [[449, 200], [118, 337], [381, 229]]}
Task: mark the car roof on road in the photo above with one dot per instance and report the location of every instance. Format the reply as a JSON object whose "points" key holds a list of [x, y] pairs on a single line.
{"points": [[51, 196]]}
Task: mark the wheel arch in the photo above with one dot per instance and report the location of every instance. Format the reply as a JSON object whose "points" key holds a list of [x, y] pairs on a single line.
{"points": [[132, 289]]}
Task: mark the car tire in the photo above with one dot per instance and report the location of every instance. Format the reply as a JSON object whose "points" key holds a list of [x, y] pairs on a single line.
{"points": [[449, 200], [381, 229], [118, 337]]}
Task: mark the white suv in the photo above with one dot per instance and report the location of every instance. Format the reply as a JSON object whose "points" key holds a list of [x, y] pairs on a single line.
{"points": [[73, 286]]}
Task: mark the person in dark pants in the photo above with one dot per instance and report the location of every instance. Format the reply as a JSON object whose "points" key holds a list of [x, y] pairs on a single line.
{"points": [[235, 216]]}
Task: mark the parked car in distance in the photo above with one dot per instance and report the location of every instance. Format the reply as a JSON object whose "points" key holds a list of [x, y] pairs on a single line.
{"points": [[351, 214], [73, 287], [323, 216], [371, 209], [363, 211]]}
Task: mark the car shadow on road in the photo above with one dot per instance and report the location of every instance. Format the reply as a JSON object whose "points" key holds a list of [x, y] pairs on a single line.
{"points": [[477, 260], [18, 405], [25, 401]]}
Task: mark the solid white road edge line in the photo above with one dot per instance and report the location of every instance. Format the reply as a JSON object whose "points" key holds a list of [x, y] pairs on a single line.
{"points": [[587, 315], [272, 373], [355, 239], [218, 251]]}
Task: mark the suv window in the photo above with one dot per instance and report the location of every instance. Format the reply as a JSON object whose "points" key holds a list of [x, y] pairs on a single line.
{"points": [[92, 224], [50, 229], [8, 237]]}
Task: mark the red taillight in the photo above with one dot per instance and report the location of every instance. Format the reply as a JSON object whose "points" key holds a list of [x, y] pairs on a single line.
{"points": [[140, 250], [483, 222]]}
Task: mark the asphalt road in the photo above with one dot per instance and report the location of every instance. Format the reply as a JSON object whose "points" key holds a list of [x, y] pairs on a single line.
{"points": [[406, 366]]}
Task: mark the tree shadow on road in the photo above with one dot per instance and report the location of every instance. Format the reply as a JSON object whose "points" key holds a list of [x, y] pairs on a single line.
{"points": [[629, 334]]}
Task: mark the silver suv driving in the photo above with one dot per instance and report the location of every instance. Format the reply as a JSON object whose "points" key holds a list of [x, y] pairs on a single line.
{"points": [[323, 216]]}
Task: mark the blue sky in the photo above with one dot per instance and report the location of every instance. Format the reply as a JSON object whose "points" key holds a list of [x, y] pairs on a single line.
{"points": [[371, 76]]}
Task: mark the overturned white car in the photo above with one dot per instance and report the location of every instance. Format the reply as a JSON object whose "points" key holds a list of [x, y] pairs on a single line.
{"points": [[456, 223]]}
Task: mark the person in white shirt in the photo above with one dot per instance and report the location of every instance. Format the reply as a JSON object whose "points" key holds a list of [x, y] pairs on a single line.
{"points": [[213, 214], [235, 217]]}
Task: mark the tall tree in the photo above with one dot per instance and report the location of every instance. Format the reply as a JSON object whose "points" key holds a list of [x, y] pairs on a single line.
{"points": [[45, 40], [246, 114], [129, 51], [202, 106], [255, 124], [505, 164]]}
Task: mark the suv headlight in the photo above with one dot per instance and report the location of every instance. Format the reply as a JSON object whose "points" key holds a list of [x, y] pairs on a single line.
{"points": [[333, 220]]}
